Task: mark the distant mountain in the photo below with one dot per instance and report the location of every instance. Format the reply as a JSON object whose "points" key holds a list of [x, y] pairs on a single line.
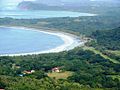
{"points": [[67, 4], [41, 4], [28, 5], [50, 2]]}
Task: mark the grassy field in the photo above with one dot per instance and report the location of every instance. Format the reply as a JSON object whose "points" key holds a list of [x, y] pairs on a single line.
{"points": [[100, 53], [117, 53], [61, 75]]}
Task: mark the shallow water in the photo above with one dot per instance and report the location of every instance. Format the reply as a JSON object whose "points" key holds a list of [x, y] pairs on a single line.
{"points": [[40, 14], [16, 41]]}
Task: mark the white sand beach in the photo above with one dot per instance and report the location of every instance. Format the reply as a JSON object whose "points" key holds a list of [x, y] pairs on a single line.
{"points": [[70, 42]]}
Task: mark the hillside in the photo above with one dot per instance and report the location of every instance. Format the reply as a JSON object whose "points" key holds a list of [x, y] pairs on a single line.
{"points": [[27, 5], [90, 71], [109, 39]]}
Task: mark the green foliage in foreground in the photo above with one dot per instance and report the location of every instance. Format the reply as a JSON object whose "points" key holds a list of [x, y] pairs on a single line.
{"points": [[90, 70], [26, 83]]}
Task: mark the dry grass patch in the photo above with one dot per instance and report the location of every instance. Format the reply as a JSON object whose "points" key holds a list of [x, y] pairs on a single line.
{"points": [[60, 75]]}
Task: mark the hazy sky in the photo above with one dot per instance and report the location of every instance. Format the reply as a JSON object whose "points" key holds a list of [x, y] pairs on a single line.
{"points": [[17, 1], [10, 4]]}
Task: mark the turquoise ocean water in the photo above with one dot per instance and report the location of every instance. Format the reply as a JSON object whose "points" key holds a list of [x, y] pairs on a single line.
{"points": [[15, 41]]}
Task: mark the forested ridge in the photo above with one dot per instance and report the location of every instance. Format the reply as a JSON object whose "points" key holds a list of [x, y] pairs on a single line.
{"points": [[109, 39]]}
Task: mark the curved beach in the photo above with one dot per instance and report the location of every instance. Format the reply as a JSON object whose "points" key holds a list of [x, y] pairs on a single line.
{"points": [[70, 42]]}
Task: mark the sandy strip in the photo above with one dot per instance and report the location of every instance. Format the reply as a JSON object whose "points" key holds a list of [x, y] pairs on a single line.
{"points": [[70, 42]]}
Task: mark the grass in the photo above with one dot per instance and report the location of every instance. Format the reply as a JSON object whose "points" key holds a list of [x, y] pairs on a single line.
{"points": [[117, 53], [101, 54], [60, 75]]}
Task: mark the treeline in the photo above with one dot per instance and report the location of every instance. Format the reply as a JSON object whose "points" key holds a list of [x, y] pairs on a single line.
{"points": [[79, 25], [90, 71], [109, 39], [27, 83]]}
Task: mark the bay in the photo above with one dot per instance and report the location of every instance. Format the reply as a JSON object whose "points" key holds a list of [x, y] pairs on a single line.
{"points": [[15, 41]]}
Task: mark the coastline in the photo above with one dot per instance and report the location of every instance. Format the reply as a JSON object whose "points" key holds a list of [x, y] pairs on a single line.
{"points": [[70, 41]]}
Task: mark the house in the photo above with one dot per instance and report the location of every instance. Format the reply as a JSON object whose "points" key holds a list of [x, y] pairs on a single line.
{"points": [[56, 69], [28, 71]]}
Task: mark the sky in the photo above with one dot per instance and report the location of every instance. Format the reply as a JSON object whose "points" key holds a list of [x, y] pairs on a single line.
{"points": [[10, 4], [14, 2]]}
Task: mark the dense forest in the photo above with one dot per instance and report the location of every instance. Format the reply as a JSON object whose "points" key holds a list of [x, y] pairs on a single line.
{"points": [[109, 39], [90, 70]]}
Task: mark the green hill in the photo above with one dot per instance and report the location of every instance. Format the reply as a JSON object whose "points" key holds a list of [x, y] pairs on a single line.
{"points": [[109, 39]]}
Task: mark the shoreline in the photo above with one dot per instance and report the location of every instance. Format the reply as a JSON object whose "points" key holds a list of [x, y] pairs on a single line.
{"points": [[70, 41], [68, 13]]}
